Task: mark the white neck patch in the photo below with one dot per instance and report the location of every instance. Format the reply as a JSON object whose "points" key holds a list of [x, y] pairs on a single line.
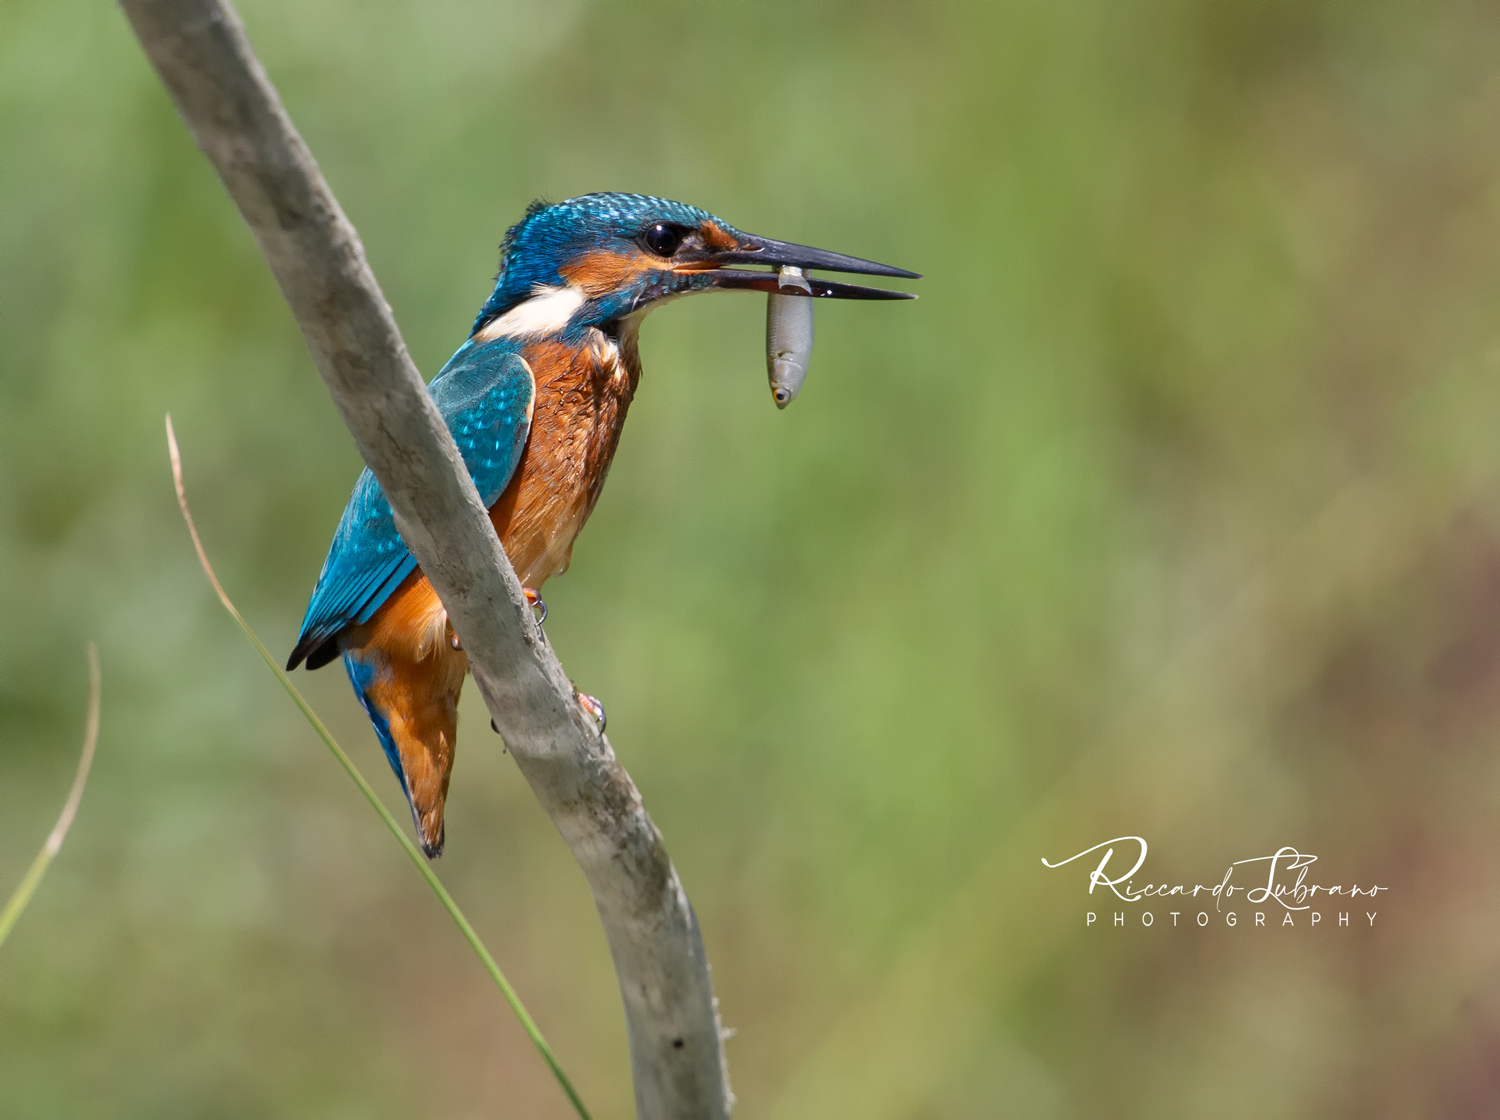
{"points": [[545, 311]]}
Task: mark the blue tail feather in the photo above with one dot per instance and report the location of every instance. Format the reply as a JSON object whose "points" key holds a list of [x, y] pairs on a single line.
{"points": [[361, 676]]}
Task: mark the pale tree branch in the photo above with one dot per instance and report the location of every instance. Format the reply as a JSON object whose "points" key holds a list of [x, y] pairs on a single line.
{"points": [[201, 52]]}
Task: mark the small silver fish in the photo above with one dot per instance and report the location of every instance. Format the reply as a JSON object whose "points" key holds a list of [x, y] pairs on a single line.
{"points": [[789, 337]]}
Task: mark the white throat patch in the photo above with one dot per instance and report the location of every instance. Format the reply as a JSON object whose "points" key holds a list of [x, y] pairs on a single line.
{"points": [[545, 311]]}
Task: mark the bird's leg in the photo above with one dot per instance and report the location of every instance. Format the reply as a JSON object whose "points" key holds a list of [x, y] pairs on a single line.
{"points": [[536, 603], [591, 705], [533, 600]]}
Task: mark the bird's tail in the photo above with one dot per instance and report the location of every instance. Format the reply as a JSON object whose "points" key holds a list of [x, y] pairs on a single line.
{"points": [[414, 707]]}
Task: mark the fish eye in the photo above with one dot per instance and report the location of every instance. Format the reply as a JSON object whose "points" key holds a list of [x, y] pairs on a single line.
{"points": [[663, 239]]}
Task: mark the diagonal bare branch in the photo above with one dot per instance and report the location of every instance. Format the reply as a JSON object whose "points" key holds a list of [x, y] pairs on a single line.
{"points": [[201, 52]]}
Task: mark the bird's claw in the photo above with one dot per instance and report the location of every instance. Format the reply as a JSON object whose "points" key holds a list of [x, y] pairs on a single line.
{"points": [[592, 706], [536, 603]]}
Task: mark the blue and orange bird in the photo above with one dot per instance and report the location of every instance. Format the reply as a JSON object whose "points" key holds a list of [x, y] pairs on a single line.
{"points": [[535, 399]]}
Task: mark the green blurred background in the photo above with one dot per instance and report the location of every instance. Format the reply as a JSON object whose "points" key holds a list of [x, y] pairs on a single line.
{"points": [[1172, 508]]}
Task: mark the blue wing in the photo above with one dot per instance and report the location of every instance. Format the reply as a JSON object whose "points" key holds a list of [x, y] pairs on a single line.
{"points": [[484, 394]]}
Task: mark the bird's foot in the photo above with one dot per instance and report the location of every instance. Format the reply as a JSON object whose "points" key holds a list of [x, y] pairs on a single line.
{"points": [[536, 603], [592, 706]]}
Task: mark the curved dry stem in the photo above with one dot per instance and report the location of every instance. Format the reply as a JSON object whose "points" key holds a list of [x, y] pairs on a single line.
{"points": [[528, 1024], [18, 901]]}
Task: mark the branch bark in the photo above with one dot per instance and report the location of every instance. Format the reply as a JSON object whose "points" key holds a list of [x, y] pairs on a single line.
{"points": [[201, 52]]}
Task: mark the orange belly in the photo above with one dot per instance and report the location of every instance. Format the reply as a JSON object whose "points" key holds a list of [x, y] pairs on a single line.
{"points": [[582, 396], [581, 399], [579, 406]]}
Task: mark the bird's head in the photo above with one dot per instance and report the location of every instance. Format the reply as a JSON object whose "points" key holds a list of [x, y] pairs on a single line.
{"points": [[604, 258]]}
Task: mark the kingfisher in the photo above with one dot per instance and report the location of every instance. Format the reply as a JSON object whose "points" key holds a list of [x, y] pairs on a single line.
{"points": [[535, 398]]}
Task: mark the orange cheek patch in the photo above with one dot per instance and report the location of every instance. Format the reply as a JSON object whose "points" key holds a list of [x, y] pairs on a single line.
{"points": [[717, 238], [601, 273]]}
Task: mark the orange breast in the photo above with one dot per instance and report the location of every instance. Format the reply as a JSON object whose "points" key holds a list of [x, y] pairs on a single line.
{"points": [[581, 399]]}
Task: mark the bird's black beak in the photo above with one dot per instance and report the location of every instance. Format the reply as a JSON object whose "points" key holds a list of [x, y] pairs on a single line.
{"points": [[716, 267]]}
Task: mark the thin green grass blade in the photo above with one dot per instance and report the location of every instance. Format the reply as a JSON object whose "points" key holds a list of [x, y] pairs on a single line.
{"points": [[418, 860], [18, 901]]}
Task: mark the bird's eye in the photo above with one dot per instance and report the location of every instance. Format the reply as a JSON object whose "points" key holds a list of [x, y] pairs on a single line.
{"points": [[663, 239]]}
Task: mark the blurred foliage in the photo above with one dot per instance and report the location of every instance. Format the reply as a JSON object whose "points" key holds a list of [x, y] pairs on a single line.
{"points": [[1172, 508]]}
